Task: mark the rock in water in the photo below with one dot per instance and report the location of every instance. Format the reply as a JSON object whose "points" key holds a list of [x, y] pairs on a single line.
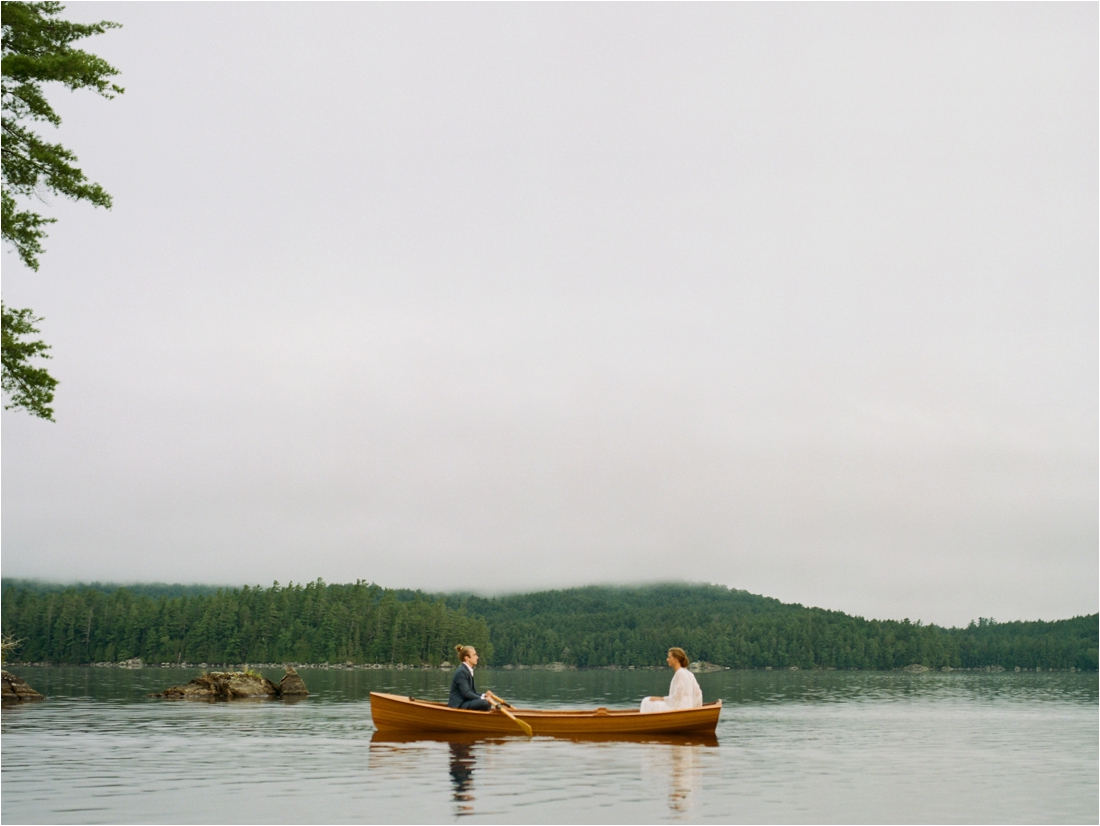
{"points": [[242, 684], [224, 684], [291, 684], [704, 667], [15, 689]]}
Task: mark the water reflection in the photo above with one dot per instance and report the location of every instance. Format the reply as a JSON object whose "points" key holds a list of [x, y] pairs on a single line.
{"points": [[386, 737], [462, 777], [613, 689], [670, 765], [683, 777], [400, 752], [675, 768]]}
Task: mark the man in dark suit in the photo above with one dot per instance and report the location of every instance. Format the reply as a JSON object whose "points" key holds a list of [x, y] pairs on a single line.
{"points": [[463, 690]]}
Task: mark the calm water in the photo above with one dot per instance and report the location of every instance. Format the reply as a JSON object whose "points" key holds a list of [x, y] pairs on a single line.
{"points": [[791, 747]]}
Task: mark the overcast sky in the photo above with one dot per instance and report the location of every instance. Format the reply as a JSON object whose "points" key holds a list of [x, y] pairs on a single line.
{"points": [[799, 299]]}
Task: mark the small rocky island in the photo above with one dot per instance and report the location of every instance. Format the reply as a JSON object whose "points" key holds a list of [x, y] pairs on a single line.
{"points": [[16, 690], [232, 685]]}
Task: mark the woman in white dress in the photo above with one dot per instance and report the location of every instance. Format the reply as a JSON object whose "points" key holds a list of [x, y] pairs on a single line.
{"points": [[684, 691]]}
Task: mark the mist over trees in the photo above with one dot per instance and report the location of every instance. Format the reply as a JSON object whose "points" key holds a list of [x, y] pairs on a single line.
{"points": [[585, 627]]}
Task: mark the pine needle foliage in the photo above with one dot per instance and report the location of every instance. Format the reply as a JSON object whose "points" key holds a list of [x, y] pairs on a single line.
{"points": [[38, 50], [27, 386]]}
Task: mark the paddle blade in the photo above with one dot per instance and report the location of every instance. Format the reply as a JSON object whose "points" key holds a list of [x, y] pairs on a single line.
{"points": [[526, 728]]}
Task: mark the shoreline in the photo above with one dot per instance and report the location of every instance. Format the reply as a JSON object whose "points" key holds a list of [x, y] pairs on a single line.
{"points": [[128, 664]]}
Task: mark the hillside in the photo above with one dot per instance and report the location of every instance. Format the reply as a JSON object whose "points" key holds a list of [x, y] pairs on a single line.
{"points": [[632, 626], [585, 627]]}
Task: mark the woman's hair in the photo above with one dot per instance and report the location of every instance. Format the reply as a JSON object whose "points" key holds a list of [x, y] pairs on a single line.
{"points": [[463, 652], [680, 656]]}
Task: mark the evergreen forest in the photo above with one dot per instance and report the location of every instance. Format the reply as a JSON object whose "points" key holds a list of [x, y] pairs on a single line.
{"points": [[585, 627], [312, 623]]}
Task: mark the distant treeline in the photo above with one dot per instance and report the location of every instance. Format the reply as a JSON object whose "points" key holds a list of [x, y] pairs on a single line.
{"points": [[297, 623], [149, 589], [635, 626], [595, 626]]}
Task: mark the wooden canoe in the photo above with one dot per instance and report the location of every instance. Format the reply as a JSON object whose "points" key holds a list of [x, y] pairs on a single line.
{"points": [[391, 712]]}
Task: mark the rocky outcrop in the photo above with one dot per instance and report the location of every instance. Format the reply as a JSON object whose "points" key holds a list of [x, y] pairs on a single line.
{"points": [[916, 668], [233, 685], [291, 684], [227, 685], [15, 689]]}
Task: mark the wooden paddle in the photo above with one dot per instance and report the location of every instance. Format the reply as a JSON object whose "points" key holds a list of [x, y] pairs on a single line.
{"points": [[497, 699], [501, 707]]}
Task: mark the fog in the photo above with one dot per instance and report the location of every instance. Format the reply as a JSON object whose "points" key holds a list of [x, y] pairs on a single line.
{"points": [[799, 299]]}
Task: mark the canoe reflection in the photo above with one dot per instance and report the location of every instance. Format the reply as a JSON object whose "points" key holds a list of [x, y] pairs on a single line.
{"points": [[463, 737], [668, 761]]}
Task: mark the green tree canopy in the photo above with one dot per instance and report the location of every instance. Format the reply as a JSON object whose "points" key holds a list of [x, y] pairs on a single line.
{"points": [[28, 387], [37, 49], [596, 626]]}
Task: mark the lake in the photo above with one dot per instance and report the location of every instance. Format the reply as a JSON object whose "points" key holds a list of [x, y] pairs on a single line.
{"points": [[792, 747]]}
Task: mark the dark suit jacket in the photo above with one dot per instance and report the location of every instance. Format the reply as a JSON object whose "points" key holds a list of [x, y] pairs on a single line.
{"points": [[462, 687]]}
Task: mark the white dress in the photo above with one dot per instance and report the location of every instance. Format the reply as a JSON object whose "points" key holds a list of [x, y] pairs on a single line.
{"points": [[683, 693]]}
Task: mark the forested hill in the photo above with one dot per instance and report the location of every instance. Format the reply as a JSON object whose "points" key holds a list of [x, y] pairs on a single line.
{"points": [[150, 589], [634, 626], [594, 626], [360, 623]]}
